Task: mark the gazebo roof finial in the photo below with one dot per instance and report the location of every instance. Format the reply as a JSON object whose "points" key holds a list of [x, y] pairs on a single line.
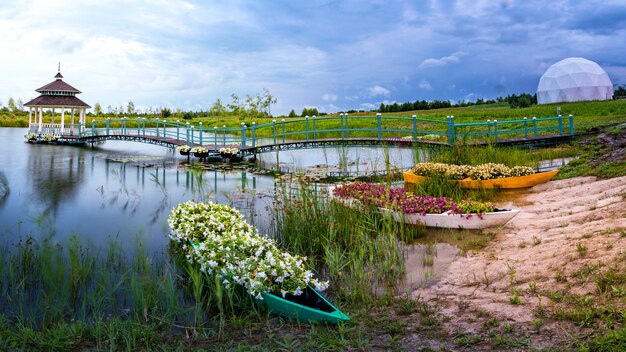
{"points": [[59, 76]]}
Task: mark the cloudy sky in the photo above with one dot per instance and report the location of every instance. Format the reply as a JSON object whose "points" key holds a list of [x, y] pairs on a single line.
{"points": [[333, 55]]}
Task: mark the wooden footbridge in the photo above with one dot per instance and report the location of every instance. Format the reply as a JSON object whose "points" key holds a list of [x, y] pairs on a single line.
{"points": [[314, 132]]}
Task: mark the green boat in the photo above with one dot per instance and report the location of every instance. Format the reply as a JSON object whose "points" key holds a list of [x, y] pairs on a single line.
{"points": [[310, 306]]}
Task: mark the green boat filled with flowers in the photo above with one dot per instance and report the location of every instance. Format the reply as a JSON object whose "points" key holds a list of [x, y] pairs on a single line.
{"points": [[218, 239], [442, 212]]}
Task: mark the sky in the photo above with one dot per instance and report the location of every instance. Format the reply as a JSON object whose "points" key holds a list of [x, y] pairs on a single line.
{"points": [[331, 55]]}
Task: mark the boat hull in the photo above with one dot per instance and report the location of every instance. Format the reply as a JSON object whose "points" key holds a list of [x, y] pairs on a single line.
{"points": [[456, 221], [310, 307], [503, 183]]}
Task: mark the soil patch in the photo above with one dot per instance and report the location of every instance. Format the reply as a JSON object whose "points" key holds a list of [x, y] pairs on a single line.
{"points": [[564, 226]]}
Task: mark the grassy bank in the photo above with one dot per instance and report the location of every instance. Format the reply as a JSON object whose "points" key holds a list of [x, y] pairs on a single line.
{"points": [[587, 115]]}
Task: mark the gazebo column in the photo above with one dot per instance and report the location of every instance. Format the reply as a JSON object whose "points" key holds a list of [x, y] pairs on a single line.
{"points": [[30, 117], [40, 118], [62, 120], [73, 125]]}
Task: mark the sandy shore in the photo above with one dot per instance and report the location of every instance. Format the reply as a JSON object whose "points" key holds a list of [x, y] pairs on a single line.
{"points": [[563, 226]]}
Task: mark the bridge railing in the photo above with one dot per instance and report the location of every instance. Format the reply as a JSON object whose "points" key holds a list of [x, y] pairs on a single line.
{"points": [[343, 126]]}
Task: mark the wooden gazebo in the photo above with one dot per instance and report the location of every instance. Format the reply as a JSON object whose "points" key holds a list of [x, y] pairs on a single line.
{"points": [[57, 95]]}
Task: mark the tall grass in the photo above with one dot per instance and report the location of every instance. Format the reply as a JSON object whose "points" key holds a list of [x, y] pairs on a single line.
{"points": [[359, 250], [100, 292]]}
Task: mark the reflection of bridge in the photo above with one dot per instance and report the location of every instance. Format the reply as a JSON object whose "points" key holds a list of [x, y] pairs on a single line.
{"points": [[319, 132]]}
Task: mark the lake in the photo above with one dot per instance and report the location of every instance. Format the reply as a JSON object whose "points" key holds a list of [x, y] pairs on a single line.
{"points": [[124, 191]]}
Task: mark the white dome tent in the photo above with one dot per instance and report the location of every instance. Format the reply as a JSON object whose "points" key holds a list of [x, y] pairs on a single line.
{"points": [[574, 79]]}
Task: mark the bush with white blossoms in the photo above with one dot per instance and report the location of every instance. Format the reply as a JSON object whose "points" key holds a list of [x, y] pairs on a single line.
{"points": [[218, 239], [30, 136], [481, 172], [228, 151], [49, 137], [199, 150]]}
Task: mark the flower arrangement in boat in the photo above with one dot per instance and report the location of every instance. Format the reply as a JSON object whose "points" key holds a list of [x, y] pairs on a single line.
{"points": [[481, 172], [228, 151], [401, 200], [200, 150], [30, 136], [49, 137], [221, 242], [183, 148]]}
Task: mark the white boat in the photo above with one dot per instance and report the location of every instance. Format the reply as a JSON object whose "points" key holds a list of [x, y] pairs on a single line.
{"points": [[456, 221]]}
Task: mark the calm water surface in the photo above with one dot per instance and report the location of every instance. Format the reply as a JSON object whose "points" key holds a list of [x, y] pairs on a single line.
{"points": [[125, 190]]}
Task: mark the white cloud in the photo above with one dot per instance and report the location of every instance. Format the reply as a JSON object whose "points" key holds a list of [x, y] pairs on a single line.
{"points": [[424, 84], [368, 106], [329, 97], [443, 61], [378, 90]]}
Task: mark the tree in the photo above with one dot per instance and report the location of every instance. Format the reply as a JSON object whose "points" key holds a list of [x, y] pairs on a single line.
{"points": [[292, 113], [130, 108], [234, 105], [20, 104], [217, 109], [12, 105], [97, 109], [165, 113], [267, 101]]}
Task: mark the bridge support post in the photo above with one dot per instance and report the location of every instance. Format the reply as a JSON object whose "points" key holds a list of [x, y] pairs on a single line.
{"points": [[489, 130], [525, 127], [192, 137], [201, 133], [93, 127], [414, 127], [187, 133], [157, 126], [345, 125], [560, 125], [178, 129], [215, 136], [274, 130], [243, 134], [495, 129], [306, 128], [314, 127], [283, 127], [571, 125], [108, 124], [379, 126], [224, 134], [535, 127], [253, 134], [451, 130], [144, 126], [138, 125], [341, 124]]}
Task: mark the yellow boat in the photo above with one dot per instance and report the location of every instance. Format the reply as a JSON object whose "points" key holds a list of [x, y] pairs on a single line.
{"points": [[503, 183]]}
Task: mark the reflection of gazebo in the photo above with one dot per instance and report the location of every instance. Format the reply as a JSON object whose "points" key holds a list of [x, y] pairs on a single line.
{"points": [[56, 94]]}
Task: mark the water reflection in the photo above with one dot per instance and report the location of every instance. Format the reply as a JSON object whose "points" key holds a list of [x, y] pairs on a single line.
{"points": [[423, 263], [55, 177]]}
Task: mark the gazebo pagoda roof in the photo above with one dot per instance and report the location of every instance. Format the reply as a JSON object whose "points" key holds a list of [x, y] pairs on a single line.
{"points": [[69, 101], [58, 94], [58, 86]]}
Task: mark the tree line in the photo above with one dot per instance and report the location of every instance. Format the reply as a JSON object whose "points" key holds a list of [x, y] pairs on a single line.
{"points": [[515, 101]]}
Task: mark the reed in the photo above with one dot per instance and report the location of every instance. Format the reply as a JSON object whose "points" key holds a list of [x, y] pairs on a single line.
{"points": [[359, 250]]}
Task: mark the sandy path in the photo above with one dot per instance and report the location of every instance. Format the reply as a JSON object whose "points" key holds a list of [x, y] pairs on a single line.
{"points": [[532, 250]]}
